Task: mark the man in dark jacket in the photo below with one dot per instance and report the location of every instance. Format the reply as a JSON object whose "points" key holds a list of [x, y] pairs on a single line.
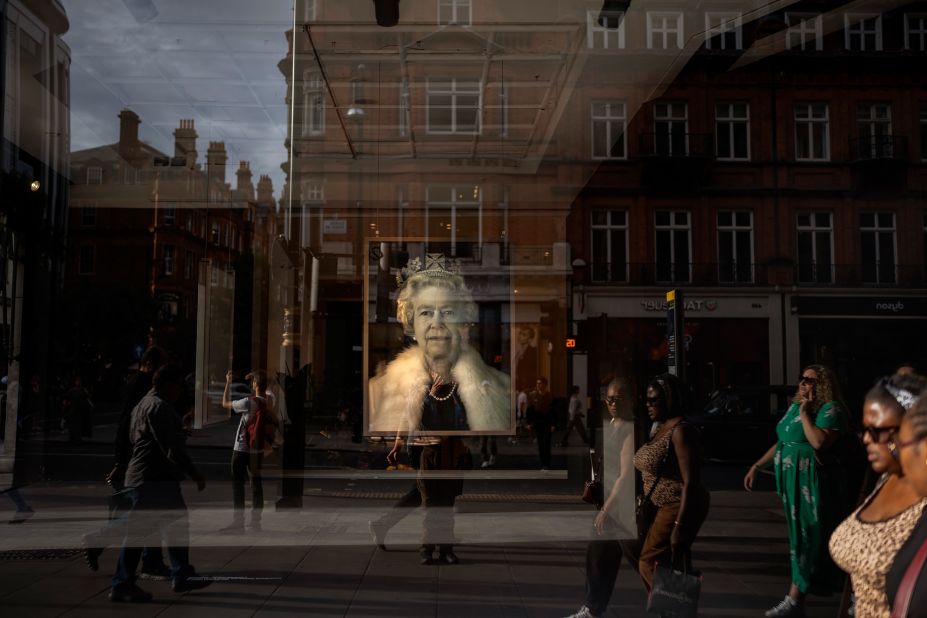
{"points": [[541, 419], [137, 387], [159, 461]]}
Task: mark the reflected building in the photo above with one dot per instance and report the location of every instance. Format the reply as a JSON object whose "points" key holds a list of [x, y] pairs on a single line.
{"points": [[765, 162], [449, 134], [34, 186], [152, 237], [775, 174]]}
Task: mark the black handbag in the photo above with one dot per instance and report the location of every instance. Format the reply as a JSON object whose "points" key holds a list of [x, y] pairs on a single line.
{"points": [[674, 593], [646, 510]]}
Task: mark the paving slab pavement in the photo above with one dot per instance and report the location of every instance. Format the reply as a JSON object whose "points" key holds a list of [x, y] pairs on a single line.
{"points": [[517, 559]]}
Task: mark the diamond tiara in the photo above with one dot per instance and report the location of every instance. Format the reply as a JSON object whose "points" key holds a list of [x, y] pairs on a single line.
{"points": [[436, 265]]}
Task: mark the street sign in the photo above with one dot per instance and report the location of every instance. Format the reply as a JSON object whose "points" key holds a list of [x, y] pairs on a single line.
{"points": [[335, 226], [675, 335]]}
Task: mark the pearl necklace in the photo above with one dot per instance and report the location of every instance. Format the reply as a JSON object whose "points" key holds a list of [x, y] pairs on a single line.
{"points": [[446, 397]]}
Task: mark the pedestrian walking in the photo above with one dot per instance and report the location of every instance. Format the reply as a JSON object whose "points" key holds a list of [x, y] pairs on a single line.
{"points": [[813, 494], [159, 461], [866, 543], [113, 531], [911, 447], [613, 538], [671, 468], [78, 412], [576, 418], [256, 431], [437, 496], [541, 419]]}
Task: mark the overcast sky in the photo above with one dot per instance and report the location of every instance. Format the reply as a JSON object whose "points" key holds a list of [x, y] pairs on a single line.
{"points": [[214, 61]]}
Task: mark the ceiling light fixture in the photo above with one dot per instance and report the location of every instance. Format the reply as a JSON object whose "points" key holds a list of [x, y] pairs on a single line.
{"points": [[387, 12], [612, 13]]}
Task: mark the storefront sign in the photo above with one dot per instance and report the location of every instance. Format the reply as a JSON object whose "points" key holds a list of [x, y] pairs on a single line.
{"points": [[690, 305], [335, 226], [880, 306]]}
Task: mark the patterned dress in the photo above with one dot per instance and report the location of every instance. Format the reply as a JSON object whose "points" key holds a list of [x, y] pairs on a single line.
{"points": [[866, 550], [805, 496]]}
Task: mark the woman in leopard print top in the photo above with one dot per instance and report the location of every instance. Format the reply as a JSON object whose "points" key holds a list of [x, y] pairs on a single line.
{"points": [[865, 544], [680, 499]]}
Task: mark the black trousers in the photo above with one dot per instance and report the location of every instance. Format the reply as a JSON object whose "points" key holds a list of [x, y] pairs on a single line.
{"points": [[542, 431], [603, 558], [244, 465]]}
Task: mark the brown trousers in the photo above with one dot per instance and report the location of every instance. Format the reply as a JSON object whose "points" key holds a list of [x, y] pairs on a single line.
{"points": [[656, 547]]}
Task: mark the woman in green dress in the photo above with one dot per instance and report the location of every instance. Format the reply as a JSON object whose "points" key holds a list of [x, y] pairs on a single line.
{"points": [[813, 493]]}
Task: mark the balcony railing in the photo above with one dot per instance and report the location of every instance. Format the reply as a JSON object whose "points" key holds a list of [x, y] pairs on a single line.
{"points": [[699, 273], [671, 144], [736, 274], [879, 148], [877, 274], [529, 255]]}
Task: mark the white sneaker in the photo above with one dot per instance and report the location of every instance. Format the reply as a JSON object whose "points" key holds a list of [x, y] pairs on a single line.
{"points": [[492, 460], [787, 608], [485, 464], [582, 613]]}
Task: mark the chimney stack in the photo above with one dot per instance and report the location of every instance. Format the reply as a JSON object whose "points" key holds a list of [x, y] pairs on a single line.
{"points": [[216, 159], [265, 191], [128, 133], [244, 185], [185, 143]]}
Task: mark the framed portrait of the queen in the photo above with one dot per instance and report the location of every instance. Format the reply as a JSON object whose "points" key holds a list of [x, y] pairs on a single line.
{"points": [[434, 341]]}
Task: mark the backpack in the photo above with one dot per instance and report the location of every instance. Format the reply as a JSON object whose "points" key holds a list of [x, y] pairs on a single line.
{"points": [[262, 426]]}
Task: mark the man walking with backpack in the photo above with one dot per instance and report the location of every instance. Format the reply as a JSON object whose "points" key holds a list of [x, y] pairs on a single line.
{"points": [[256, 431]]}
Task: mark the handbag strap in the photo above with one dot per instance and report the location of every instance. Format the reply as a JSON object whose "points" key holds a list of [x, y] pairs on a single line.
{"points": [[666, 455], [906, 589]]}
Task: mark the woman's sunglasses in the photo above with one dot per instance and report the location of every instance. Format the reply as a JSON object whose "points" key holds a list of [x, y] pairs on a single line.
{"points": [[807, 380], [879, 435], [613, 399]]}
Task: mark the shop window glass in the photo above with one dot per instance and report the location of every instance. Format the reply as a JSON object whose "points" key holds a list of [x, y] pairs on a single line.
{"points": [[915, 32], [732, 131], [453, 105], [664, 30], [457, 12], [862, 32], [673, 246], [804, 32], [812, 135], [610, 246], [600, 37], [815, 248], [723, 30], [735, 246], [877, 247], [608, 131]]}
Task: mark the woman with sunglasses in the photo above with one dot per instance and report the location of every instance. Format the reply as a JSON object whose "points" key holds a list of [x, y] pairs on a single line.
{"points": [[812, 504], [866, 543], [911, 447], [670, 466], [613, 527]]}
